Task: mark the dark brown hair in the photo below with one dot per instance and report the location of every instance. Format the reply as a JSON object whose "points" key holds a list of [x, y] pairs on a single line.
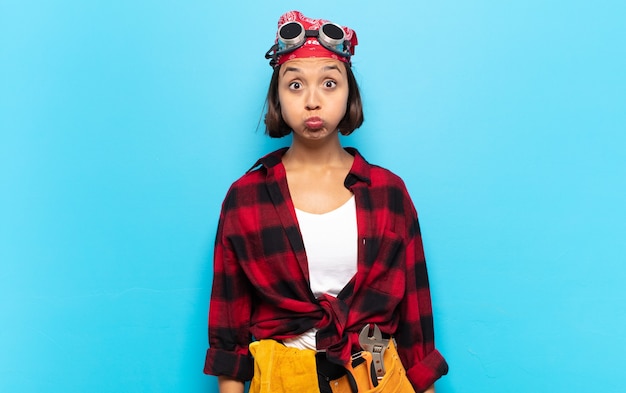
{"points": [[276, 127]]}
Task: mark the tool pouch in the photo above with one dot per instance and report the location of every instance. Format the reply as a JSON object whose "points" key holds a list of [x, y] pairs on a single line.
{"points": [[394, 380], [278, 368]]}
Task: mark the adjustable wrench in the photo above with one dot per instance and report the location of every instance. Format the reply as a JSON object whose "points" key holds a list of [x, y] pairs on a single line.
{"points": [[376, 345]]}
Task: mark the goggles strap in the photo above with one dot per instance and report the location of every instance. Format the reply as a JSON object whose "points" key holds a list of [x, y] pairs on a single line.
{"points": [[274, 52]]}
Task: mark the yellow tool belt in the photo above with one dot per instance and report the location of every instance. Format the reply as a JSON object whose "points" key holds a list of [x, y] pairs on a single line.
{"points": [[394, 380], [278, 368]]}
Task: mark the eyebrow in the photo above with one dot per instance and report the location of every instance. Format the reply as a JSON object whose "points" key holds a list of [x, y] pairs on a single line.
{"points": [[331, 67], [292, 69]]}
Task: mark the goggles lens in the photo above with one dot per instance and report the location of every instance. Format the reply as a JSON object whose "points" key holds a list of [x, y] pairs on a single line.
{"points": [[332, 34], [291, 34]]}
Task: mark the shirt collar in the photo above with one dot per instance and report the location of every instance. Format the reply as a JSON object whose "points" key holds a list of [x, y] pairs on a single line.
{"points": [[270, 160], [360, 170]]}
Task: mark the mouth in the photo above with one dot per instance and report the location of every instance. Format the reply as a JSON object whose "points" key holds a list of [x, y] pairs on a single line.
{"points": [[314, 123]]}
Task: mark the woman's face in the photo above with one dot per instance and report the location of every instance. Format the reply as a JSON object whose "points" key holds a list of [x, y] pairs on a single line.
{"points": [[313, 96]]}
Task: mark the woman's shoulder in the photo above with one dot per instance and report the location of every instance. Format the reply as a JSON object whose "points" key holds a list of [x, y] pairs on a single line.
{"points": [[249, 178], [375, 174], [385, 175], [258, 172]]}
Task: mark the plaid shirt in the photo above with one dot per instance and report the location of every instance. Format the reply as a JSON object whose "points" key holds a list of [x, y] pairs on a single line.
{"points": [[261, 287]]}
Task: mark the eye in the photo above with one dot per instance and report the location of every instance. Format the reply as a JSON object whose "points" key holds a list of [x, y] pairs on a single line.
{"points": [[295, 85], [330, 84]]}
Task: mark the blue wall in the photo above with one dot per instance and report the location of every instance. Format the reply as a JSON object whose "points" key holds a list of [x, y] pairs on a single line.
{"points": [[122, 123]]}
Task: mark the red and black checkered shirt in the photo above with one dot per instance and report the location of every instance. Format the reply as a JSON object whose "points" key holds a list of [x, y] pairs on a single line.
{"points": [[261, 286]]}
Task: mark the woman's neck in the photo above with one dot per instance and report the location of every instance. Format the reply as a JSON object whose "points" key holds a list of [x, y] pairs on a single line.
{"points": [[326, 154], [316, 176]]}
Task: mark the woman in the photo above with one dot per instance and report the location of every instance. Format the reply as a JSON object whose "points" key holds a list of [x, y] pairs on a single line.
{"points": [[314, 243]]}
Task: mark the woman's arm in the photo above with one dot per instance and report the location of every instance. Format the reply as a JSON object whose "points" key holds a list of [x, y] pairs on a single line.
{"points": [[431, 389], [229, 385], [415, 333], [230, 304]]}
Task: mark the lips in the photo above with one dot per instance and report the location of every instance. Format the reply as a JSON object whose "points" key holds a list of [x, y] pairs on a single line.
{"points": [[314, 123]]}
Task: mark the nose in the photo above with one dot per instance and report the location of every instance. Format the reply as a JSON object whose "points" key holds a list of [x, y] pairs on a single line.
{"points": [[312, 100]]}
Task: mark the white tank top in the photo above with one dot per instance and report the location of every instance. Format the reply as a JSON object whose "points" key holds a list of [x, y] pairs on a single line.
{"points": [[331, 242]]}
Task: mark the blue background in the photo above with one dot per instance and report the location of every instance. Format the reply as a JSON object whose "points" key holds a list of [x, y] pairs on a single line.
{"points": [[123, 123]]}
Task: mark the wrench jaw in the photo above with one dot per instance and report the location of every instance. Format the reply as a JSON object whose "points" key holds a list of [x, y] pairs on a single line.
{"points": [[376, 345]]}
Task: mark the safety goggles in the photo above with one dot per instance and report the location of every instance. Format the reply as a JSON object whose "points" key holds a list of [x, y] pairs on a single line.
{"points": [[292, 35]]}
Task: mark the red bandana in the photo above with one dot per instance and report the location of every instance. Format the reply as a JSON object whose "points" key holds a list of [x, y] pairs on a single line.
{"points": [[311, 47]]}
